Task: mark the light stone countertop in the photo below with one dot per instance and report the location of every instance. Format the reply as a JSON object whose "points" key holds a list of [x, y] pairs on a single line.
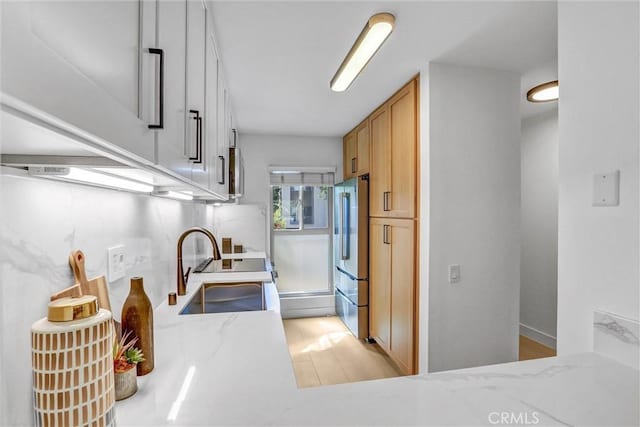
{"points": [[235, 369]]}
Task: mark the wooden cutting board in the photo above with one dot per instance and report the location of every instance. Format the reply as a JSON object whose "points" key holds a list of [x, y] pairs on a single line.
{"points": [[71, 291], [96, 286]]}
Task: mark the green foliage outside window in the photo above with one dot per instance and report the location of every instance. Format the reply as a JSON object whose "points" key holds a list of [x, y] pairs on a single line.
{"points": [[278, 219]]}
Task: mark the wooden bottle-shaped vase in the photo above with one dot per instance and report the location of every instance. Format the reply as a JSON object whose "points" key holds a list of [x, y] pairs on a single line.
{"points": [[137, 317]]}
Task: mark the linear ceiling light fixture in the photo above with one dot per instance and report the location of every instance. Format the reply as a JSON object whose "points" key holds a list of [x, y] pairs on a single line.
{"points": [[375, 32], [544, 92]]}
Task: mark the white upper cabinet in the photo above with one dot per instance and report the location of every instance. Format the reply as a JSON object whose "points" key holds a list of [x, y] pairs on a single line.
{"points": [[79, 62], [223, 115], [216, 157], [225, 125], [197, 144], [135, 79], [171, 44]]}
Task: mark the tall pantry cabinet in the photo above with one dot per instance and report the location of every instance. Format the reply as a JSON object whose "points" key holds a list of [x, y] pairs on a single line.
{"points": [[393, 155]]}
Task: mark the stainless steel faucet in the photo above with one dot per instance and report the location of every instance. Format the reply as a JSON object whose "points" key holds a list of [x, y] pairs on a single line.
{"points": [[182, 285]]}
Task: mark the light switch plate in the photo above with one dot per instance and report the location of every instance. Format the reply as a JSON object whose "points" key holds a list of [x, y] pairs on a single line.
{"points": [[454, 273], [115, 262], [606, 189]]}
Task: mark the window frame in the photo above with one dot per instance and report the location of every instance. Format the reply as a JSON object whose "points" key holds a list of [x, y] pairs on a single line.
{"points": [[328, 230]]}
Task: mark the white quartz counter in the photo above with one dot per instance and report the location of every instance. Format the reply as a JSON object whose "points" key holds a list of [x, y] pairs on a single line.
{"points": [[235, 369]]}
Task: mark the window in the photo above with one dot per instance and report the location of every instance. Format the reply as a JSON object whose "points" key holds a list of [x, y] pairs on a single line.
{"points": [[301, 236], [292, 202]]}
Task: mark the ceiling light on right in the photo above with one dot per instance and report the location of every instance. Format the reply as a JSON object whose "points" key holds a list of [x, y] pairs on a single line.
{"points": [[375, 32], [545, 92]]}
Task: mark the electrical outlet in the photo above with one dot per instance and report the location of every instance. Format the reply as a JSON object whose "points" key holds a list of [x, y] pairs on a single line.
{"points": [[115, 262]]}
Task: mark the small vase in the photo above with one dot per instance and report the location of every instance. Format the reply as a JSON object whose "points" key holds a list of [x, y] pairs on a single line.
{"points": [[137, 317], [126, 383]]}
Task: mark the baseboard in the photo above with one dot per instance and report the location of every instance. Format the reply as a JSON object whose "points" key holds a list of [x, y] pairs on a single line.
{"points": [[308, 306], [539, 336], [307, 312]]}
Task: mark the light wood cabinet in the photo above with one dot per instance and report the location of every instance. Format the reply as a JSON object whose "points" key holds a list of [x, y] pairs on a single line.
{"points": [[349, 148], [392, 287], [379, 285], [362, 148], [355, 151], [393, 130], [380, 172], [401, 238], [393, 155], [403, 142]]}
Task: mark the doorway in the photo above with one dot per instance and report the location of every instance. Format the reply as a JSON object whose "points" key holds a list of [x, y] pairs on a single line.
{"points": [[539, 220]]}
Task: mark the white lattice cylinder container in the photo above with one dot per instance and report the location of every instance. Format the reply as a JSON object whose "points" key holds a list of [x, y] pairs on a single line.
{"points": [[73, 371]]}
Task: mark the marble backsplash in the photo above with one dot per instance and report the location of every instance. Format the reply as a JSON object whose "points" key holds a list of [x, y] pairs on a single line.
{"points": [[245, 224], [617, 338], [41, 222]]}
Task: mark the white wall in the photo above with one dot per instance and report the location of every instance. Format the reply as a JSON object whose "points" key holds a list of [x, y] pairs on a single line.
{"points": [[41, 222], [539, 223], [598, 254], [473, 212], [261, 151], [245, 224]]}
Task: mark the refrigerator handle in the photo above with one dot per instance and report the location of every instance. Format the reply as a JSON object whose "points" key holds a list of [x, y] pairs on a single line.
{"points": [[345, 228], [340, 222]]}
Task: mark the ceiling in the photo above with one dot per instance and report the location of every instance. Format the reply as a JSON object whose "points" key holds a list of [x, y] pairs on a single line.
{"points": [[279, 57]]}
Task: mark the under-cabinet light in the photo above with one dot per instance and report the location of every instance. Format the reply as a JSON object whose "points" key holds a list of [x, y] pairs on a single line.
{"points": [[545, 92], [129, 173], [178, 195], [375, 32], [97, 178]]}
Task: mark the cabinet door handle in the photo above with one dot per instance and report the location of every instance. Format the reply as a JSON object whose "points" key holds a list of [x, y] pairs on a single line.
{"points": [[198, 119], [385, 201], [160, 124], [385, 235], [199, 148], [354, 168], [221, 181], [234, 134]]}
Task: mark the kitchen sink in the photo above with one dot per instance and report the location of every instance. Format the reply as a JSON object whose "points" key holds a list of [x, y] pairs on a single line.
{"points": [[227, 297]]}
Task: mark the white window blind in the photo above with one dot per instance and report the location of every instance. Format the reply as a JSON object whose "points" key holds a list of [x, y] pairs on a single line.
{"points": [[302, 178]]}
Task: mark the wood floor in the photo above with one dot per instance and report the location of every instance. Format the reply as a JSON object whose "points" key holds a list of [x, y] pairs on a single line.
{"points": [[324, 352], [530, 349]]}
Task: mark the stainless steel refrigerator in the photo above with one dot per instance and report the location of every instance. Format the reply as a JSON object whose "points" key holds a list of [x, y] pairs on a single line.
{"points": [[351, 254]]}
